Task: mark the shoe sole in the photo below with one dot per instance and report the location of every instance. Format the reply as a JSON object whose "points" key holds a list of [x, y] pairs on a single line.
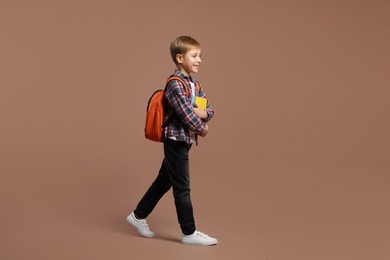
{"points": [[199, 244]]}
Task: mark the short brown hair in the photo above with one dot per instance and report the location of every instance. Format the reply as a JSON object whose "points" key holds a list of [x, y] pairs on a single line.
{"points": [[181, 45]]}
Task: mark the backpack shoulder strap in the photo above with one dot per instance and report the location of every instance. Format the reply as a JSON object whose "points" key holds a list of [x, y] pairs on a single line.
{"points": [[179, 79], [173, 77], [198, 86]]}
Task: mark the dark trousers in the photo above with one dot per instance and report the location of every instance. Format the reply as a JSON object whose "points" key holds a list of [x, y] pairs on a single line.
{"points": [[174, 172]]}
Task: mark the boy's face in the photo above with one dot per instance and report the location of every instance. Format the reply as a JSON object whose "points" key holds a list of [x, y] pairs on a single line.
{"points": [[189, 62]]}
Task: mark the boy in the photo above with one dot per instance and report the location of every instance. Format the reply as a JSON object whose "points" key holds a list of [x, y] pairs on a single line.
{"points": [[184, 122]]}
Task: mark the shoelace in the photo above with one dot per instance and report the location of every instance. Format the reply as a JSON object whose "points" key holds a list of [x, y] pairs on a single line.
{"points": [[201, 234], [144, 223]]}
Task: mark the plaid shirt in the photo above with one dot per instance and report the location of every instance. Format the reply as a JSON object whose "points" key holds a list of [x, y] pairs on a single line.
{"points": [[181, 116]]}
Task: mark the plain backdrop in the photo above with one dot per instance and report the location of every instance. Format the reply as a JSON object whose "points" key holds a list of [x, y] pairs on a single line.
{"points": [[295, 167]]}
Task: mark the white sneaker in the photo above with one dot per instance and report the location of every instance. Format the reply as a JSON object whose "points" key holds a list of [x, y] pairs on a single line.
{"points": [[199, 238], [140, 225]]}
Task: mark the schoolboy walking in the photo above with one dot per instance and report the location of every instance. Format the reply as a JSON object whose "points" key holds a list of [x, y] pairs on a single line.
{"points": [[185, 121]]}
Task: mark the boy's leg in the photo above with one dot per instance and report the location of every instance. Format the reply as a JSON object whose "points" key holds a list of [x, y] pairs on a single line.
{"points": [[177, 163], [158, 188]]}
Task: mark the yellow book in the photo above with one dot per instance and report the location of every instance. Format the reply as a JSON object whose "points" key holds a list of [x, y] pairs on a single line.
{"points": [[201, 102]]}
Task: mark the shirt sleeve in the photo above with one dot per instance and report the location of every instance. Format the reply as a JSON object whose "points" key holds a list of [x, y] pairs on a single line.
{"points": [[177, 99], [209, 108]]}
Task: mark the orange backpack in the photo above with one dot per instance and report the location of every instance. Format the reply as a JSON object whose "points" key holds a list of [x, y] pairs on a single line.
{"points": [[156, 110]]}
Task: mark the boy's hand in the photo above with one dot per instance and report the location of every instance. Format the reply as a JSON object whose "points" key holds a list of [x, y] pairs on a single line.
{"points": [[200, 112], [205, 132]]}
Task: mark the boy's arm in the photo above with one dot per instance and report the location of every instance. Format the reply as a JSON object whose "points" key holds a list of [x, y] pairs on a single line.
{"points": [[176, 97], [209, 109]]}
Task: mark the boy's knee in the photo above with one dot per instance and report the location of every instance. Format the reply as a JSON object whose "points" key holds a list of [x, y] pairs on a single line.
{"points": [[181, 193]]}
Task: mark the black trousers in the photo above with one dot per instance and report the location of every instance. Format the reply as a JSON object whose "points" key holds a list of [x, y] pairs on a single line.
{"points": [[174, 172]]}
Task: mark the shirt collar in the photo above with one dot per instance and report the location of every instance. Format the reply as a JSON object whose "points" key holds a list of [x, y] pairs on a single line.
{"points": [[181, 75]]}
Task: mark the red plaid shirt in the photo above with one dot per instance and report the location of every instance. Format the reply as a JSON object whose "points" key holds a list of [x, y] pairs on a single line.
{"points": [[181, 116]]}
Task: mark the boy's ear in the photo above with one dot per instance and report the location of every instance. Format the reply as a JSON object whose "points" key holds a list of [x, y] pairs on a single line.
{"points": [[179, 58]]}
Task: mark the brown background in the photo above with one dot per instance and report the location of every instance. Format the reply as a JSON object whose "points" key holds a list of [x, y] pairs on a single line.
{"points": [[296, 166]]}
